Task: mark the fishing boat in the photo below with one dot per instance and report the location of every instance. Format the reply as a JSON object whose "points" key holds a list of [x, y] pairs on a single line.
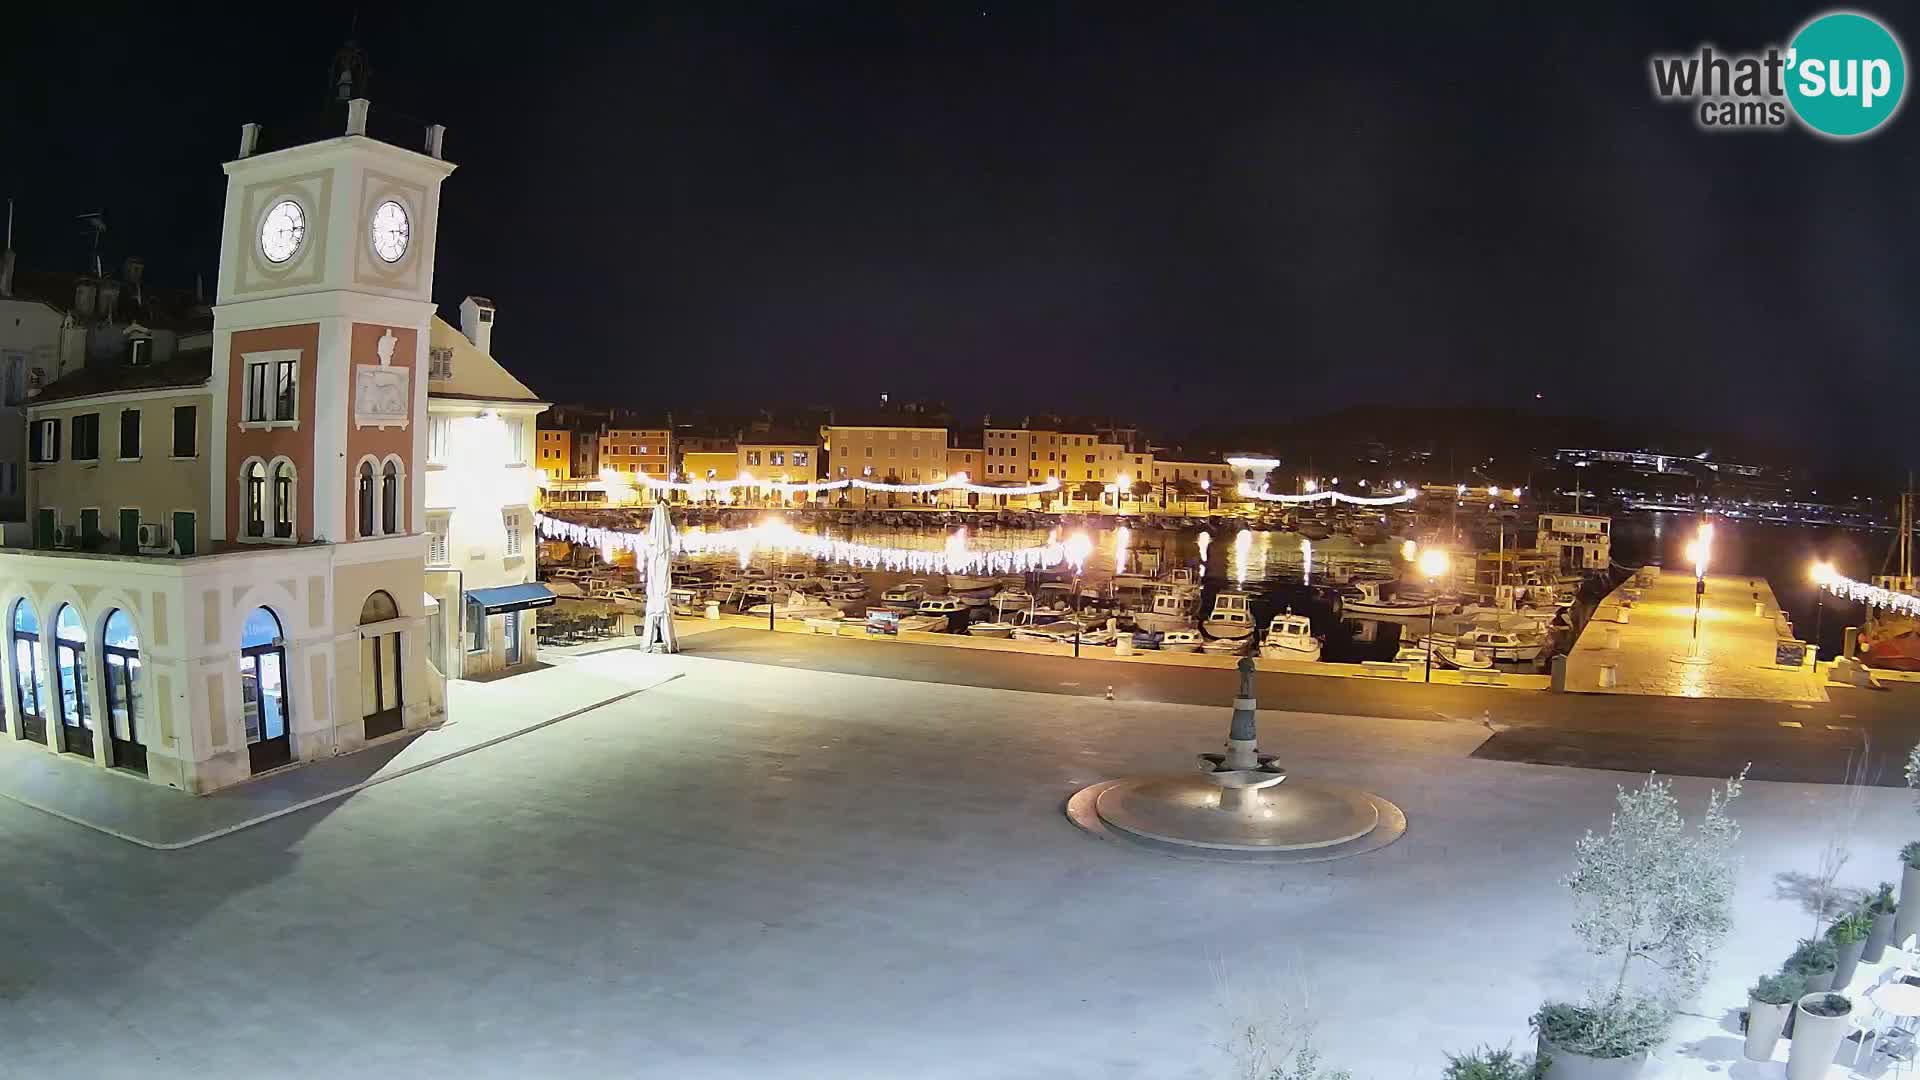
{"points": [[1363, 598], [1167, 609], [1290, 637], [905, 596], [947, 609], [1231, 618], [1505, 646]]}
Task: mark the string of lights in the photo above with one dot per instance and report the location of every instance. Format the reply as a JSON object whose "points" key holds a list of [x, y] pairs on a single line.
{"points": [[1871, 595], [776, 536], [1247, 491]]}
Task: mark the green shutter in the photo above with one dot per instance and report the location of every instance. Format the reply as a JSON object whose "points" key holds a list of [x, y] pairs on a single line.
{"points": [[183, 531], [43, 529], [129, 531], [89, 526]]}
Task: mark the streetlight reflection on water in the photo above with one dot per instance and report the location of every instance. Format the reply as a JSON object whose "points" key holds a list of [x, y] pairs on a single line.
{"points": [[1242, 554]]}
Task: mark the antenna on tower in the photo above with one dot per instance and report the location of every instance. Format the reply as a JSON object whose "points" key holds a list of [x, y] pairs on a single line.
{"points": [[94, 224], [350, 73]]}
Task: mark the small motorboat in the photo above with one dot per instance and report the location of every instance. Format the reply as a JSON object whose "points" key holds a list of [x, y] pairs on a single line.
{"points": [[905, 596], [948, 609], [1226, 646], [1290, 637], [1013, 596], [686, 601], [845, 581], [1231, 619], [1181, 641], [1504, 646], [798, 605], [926, 624], [967, 583], [991, 629], [1364, 599], [1445, 656], [1167, 609]]}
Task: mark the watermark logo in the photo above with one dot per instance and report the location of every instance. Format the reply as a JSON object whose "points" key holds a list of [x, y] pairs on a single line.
{"points": [[1842, 76]]}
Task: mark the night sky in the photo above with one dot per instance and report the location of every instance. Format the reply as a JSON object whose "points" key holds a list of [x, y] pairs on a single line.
{"points": [[1238, 216]]}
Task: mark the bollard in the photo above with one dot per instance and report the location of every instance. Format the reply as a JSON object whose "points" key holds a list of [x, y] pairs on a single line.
{"points": [[1123, 645], [1609, 675], [713, 610], [1557, 669], [1759, 607], [1613, 637], [1626, 615]]}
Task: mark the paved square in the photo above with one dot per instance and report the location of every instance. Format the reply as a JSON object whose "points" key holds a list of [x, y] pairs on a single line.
{"points": [[758, 872]]}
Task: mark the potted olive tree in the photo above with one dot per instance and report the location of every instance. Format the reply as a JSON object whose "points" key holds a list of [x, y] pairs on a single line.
{"points": [[1907, 920], [1849, 936], [1655, 900], [1767, 1007], [1882, 909], [1821, 1023], [1490, 1064]]}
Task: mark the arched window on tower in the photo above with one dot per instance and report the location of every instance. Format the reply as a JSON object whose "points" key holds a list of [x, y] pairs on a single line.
{"points": [[283, 500], [366, 503], [256, 499], [390, 498]]}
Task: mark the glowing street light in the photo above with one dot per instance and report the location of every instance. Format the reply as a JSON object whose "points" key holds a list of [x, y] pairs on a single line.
{"points": [[1409, 551], [1699, 550], [1823, 575], [1433, 564], [1312, 486]]}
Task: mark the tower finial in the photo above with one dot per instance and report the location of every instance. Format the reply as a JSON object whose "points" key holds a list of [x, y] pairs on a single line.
{"points": [[351, 73]]}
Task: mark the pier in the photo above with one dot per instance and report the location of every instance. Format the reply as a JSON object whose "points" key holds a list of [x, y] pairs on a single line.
{"points": [[1641, 641]]}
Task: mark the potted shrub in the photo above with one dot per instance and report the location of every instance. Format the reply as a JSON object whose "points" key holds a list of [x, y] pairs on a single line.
{"points": [[1767, 1006], [1849, 936], [1882, 908], [1821, 1024], [1655, 900], [1814, 961], [1907, 920], [1604, 1039], [1489, 1064]]}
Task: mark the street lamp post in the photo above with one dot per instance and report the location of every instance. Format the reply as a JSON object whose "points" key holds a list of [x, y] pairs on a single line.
{"points": [[1823, 572], [1433, 563], [1698, 551]]}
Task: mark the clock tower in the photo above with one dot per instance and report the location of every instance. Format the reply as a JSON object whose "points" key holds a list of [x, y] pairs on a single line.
{"points": [[318, 432]]}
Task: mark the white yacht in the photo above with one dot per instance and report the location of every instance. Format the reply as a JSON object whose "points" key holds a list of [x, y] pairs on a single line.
{"points": [[1290, 637], [1231, 619]]}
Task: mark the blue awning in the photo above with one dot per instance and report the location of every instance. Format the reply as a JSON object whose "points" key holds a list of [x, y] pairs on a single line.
{"points": [[511, 597]]}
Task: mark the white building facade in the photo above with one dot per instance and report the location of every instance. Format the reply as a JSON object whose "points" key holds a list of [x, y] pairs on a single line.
{"points": [[481, 489]]}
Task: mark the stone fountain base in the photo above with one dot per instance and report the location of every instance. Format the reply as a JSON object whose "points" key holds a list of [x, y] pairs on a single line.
{"points": [[1192, 815]]}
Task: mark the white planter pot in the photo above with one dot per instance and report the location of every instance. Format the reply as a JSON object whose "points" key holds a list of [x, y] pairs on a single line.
{"points": [[1907, 919], [1567, 1065], [1764, 1022], [1816, 1040]]}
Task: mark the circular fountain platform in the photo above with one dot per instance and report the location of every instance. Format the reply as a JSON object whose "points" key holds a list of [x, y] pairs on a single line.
{"points": [[1296, 821]]}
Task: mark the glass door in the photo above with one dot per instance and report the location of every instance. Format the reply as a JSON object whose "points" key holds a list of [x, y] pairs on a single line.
{"points": [[513, 638], [263, 696]]}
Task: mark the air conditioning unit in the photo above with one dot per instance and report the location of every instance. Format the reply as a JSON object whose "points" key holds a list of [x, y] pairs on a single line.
{"points": [[66, 536], [152, 539]]}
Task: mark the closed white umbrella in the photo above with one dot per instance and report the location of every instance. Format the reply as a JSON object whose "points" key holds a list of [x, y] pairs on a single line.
{"points": [[658, 631]]}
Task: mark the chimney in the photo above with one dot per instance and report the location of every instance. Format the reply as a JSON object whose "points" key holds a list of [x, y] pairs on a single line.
{"points": [[132, 271], [6, 272], [84, 291], [476, 321], [357, 116], [109, 299], [249, 138], [436, 139]]}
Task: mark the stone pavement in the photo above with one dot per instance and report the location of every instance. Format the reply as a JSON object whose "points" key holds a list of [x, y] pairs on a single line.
{"points": [[755, 871], [1736, 645], [481, 715]]}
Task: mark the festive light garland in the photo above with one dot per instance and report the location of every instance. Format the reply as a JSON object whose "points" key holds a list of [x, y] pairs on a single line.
{"points": [[956, 482], [1246, 491], [1871, 595], [775, 535]]}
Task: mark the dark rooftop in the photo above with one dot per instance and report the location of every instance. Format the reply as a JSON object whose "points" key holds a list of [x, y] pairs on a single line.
{"points": [[187, 368]]}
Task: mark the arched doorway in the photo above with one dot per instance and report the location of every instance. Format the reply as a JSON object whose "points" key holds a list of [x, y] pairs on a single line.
{"points": [[70, 685], [120, 685], [381, 699], [263, 691], [29, 678]]}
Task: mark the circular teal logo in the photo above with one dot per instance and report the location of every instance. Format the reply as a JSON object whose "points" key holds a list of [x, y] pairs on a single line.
{"points": [[1846, 74]]}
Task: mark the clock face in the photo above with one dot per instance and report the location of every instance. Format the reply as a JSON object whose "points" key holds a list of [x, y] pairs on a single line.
{"points": [[390, 230], [283, 231]]}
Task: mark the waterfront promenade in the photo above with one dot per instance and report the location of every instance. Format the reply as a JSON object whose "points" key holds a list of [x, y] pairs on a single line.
{"points": [[1653, 652]]}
